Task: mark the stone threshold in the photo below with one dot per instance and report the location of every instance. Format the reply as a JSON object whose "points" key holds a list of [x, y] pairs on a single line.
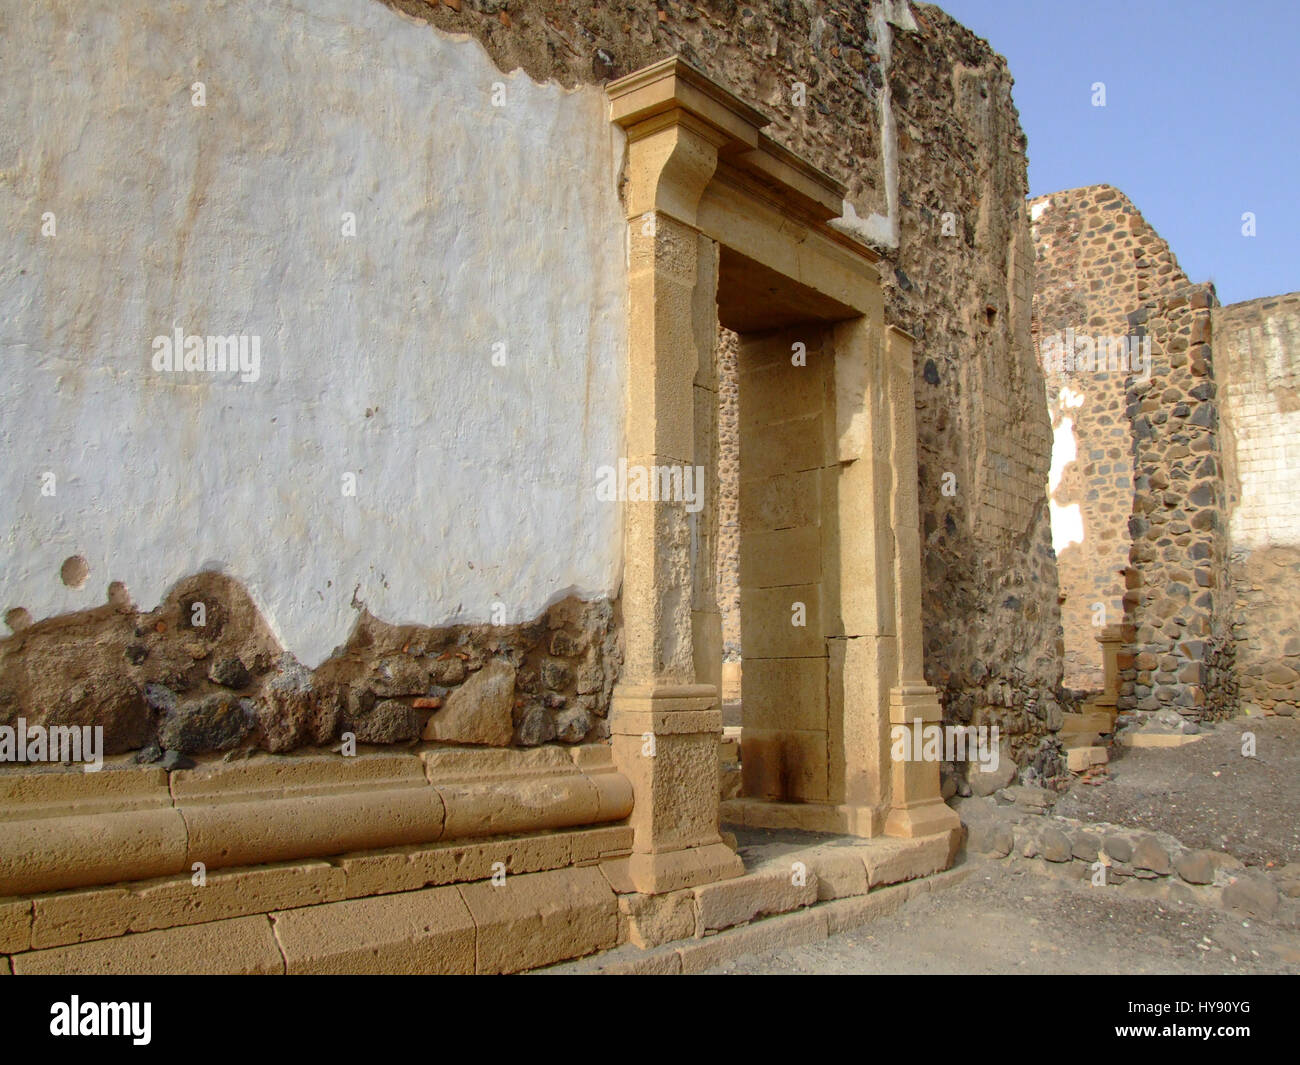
{"points": [[817, 884], [808, 925]]}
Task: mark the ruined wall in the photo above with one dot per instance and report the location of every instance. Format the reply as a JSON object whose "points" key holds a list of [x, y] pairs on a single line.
{"points": [[1179, 599], [914, 114], [1257, 347], [1148, 400], [477, 225], [962, 284], [1098, 264]]}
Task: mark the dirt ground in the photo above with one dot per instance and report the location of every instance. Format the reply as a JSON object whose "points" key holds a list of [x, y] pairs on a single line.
{"points": [[1004, 919], [1007, 917], [1207, 794]]}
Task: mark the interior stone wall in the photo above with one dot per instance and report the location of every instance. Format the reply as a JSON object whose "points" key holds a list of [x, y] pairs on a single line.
{"points": [[1257, 347]]}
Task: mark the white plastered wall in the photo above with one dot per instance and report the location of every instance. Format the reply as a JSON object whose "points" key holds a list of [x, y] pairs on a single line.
{"points": [[476, 225]]}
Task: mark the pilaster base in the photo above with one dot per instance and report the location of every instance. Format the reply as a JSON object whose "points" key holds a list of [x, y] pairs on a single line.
{"points": [[917, 806], [665, 740]]}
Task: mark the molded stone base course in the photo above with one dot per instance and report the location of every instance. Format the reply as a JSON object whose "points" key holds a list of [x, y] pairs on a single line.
{"points": [[498, 924], [283, 808]]}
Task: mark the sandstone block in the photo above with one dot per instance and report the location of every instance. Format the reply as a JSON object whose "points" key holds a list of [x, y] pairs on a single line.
{"points": [[843, 914], [15, 925], [408, 933], [656, 919], [540, 918], [891, 861], [841, 873], [243, 945], [765, 891], [479, 711], [102, 913], [1081, 759], [791, 930]]}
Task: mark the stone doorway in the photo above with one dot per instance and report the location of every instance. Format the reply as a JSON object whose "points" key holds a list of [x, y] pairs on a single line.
{"points": [[726, 225]]}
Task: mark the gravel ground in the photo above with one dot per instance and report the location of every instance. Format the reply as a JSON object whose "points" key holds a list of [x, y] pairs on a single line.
{"points": [[1207, 794], [1004, 919]]}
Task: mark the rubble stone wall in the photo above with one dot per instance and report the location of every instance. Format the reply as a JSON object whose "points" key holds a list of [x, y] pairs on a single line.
{"points": [[1098, 263], [1257, 345], [1179, 598], [478, 223]]}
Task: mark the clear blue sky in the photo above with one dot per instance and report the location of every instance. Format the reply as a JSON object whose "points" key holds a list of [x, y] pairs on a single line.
{"points": [[1201, 123]]}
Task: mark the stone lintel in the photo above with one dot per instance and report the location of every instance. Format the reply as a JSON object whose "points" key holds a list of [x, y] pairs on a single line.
{"points": [[672, 84]]}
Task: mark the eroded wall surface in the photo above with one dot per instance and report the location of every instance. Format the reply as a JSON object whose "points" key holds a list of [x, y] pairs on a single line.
{"points": [[1258, 360], [1180, 653], [477, 225], [1098, 263], [430, 255]]}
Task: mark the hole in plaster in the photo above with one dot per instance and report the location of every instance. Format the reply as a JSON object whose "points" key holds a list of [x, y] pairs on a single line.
{"points": [[17, 619], [75, 571]]}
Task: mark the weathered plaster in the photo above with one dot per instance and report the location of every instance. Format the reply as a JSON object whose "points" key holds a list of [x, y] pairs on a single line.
{"points": [[475, 225]]}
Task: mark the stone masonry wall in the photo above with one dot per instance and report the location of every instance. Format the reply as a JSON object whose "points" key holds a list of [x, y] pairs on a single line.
{"points": [[914, 113], [1139, 498], [962, 284], [1257, 347], [1098, 263], [1179, 597], [197, 681]]}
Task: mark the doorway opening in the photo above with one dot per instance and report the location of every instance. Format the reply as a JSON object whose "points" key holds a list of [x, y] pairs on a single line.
{"points": [[777, 542]]}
